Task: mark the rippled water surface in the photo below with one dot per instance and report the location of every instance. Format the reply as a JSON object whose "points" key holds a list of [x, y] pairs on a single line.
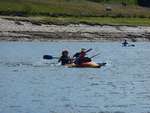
{"points": [[29, 84]]}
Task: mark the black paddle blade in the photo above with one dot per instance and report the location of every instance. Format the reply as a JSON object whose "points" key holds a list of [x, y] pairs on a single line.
{"points": [[47, 57], [133, 45], [102, 64]]}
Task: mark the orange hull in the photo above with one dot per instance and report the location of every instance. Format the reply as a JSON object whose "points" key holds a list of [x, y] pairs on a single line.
{"points": [[87, 65]]}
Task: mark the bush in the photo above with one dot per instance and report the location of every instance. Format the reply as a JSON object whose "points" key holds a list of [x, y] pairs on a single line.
{"points": [[144, 3]]}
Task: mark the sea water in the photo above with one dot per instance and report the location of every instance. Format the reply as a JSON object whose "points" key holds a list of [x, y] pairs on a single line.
{"points": [[29, 84]]}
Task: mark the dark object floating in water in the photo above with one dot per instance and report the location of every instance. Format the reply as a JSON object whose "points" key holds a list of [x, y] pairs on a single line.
{"points": [[132, 45]]}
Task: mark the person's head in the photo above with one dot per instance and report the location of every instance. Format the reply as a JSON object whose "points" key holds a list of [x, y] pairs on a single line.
{"points": [[83, 49], [65, 52]]}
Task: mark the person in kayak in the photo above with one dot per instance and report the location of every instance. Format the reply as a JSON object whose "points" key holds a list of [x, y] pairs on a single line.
{"points": [[125, 43], [80, 56], [65, 59]]}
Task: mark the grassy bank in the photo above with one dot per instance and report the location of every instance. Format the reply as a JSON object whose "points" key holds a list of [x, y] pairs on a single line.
{"points": [[78, 11], [76, 8], [133, 2], [84, 20]]}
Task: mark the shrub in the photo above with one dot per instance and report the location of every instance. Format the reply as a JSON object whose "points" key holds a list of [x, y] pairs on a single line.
{"points": [[144, 3]]}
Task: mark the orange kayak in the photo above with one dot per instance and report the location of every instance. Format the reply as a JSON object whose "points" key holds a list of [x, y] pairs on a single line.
{"points": [[87, 65]]}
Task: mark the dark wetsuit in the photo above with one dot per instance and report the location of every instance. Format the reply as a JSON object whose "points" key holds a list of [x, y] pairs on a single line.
{"points": [[64, 60], [76, 55], [125, 43]]}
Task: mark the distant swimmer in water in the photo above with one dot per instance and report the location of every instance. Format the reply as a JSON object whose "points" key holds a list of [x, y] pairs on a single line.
{"points": [[125, 43]]}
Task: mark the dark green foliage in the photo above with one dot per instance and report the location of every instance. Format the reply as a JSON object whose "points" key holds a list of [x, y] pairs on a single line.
{"points": [[95, 0], [74, 8], [144, 3], [115, 1]]}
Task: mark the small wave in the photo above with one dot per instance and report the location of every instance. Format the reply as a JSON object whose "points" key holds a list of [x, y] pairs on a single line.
{"points": [[29, 64], [16, 64]]}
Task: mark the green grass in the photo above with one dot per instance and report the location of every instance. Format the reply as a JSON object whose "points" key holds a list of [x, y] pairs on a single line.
{"points": [[85, 20], [97, 20], [50, 7], [78, 11], [71, 8], [117, 1]]}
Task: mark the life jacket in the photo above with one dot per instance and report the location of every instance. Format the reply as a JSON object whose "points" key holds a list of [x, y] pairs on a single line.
{"points": [[82, 55], [65, 60]]}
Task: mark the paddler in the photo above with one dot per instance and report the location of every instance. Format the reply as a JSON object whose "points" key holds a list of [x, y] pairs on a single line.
{"points": [[125, 43], [80, 56], [65, 59]]}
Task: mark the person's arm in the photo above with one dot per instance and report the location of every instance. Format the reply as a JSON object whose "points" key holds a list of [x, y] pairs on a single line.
{"points": [[60, 59], [76, 55], [70, 60]]}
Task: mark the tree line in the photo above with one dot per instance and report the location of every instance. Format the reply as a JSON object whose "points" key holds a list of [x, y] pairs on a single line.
{"points": [[144, 3], [139, 2]]}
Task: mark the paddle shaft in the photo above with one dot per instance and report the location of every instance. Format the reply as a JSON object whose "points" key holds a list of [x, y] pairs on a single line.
{"points": [[95, 55]]}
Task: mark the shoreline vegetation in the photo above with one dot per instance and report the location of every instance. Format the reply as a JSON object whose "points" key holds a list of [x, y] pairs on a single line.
{"points": [[39, 20], [74, 8], [48, 20]]}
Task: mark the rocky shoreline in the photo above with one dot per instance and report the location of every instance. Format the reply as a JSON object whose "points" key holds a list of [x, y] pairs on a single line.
{"points": [[11, 30]]}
